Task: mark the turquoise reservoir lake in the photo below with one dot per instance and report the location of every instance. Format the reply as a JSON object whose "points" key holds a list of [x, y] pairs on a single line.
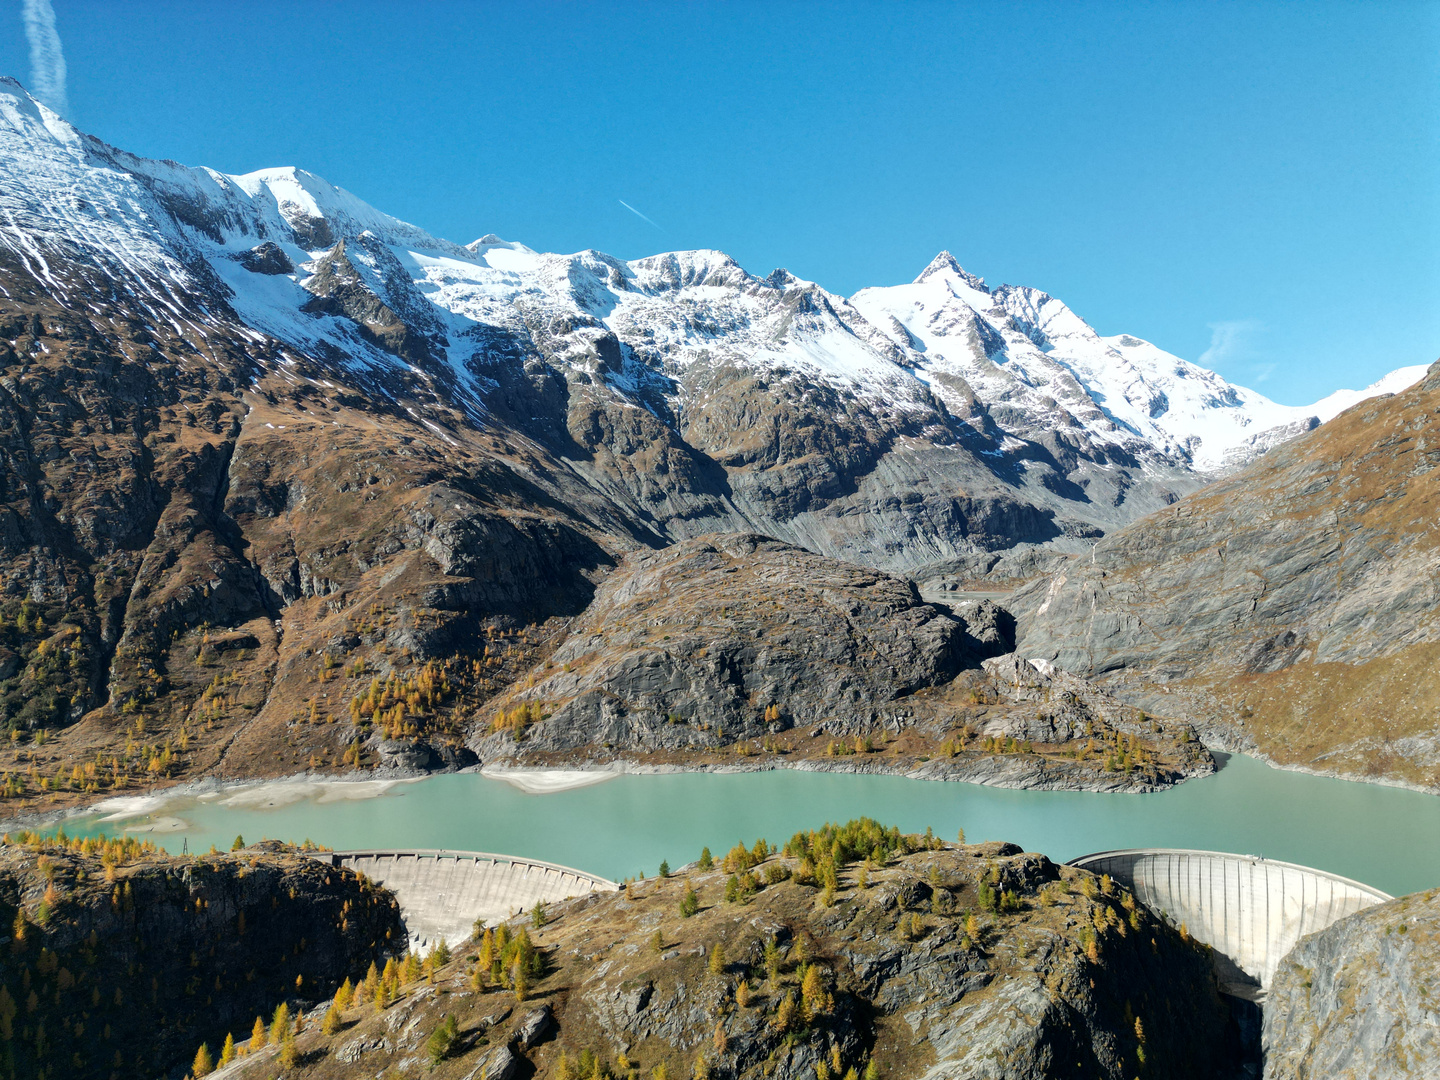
{"points": [[1385, 837]]}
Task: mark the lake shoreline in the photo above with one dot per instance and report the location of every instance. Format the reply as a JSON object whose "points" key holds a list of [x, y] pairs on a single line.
{"points": [[1009, 771], [619, 824], [538, 780]]}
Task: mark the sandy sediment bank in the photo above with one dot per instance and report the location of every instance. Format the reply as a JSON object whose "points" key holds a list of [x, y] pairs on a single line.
{"points": [[550, 781], [247, 794]]}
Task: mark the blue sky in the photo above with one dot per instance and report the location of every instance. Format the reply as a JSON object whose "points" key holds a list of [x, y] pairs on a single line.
{"points": [[1255, 186]]}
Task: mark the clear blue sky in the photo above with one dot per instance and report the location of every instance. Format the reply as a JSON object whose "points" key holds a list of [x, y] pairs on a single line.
{"points": [[1271, 169]]}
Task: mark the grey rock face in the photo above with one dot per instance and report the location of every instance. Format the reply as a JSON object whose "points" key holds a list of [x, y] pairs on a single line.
{"points": [[534, 1026], [266, 258], [1074, 708], [501, 1063], [990, 629], [417, 756], [361, 280], [1360, 999], [731, 636]]}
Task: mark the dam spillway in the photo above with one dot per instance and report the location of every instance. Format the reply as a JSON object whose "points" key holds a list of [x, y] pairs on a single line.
{"points": [[1250, 910], [442, 893]]}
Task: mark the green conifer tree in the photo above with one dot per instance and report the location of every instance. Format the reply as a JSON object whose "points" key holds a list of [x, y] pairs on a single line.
{"points": [[437, 1047]]}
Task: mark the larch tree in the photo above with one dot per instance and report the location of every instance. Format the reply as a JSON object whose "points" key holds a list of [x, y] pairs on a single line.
{"points": [[279, 1024]]}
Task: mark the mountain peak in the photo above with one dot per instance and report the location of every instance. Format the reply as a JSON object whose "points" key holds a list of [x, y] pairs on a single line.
{"points": [[26, 114], [945, 263]]}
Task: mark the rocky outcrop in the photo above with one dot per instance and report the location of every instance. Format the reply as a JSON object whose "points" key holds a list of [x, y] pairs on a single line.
{"points": [[266, 258], [362, 281], [733, 636], [1359, 999], [154, 954], [981, 962], [740, 644], [1290, 607]]}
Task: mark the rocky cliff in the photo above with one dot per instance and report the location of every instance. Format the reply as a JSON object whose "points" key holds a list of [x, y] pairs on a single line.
{"points": [[736, 650], [853, 950], [1361, 998], [122, 960], [1290, 607]]}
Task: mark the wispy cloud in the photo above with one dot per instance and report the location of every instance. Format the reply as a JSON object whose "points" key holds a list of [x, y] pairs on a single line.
{"points": [[637, 213], [47, 58], [1233, 342]]}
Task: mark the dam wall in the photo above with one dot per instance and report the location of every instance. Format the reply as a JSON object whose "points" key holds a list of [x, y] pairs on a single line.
{"points": [[442, 893], [1251, 910]]}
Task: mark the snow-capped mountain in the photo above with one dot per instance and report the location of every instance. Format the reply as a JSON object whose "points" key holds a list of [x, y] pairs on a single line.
{"points": [[1025, 348], [252, 415], [908, 425]]}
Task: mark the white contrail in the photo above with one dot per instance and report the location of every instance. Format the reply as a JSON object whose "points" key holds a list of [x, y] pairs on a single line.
{"points": [[47, 59], [1230, 341], [637, 213]]}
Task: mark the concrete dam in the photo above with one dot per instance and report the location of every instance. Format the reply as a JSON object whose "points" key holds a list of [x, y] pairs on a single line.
{"points": [[1250, 910], [442, 893]]}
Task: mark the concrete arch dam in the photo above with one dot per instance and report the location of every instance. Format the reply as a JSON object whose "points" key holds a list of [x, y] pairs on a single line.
{"points": [[1250, 910], [442, 893]]}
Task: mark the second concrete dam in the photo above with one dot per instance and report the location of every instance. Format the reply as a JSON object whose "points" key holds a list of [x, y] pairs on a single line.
{"points": [[1250, 910]]}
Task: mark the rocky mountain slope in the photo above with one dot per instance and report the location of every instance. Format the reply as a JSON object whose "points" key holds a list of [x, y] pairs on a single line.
{"points": [[121, 959], [1360, 998], [738, 651], [276, 467], [1291, 606], [901, 959]]}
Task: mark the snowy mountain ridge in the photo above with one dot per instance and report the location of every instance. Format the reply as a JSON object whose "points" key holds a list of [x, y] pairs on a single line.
{"points": [[806, 399], [946, 332]]}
